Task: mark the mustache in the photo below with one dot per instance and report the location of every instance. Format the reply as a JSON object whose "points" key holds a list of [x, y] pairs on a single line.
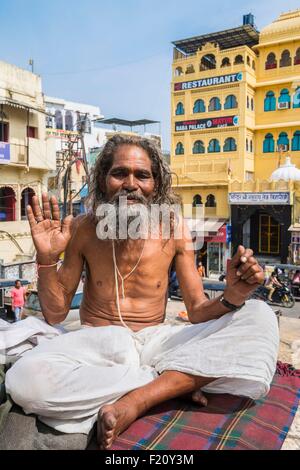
{"points": [[131, 196]]}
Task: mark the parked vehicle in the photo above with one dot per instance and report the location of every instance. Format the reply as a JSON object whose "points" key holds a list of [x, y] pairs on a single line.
{"points": [[32, 307], [295, 289], [282, 296]]}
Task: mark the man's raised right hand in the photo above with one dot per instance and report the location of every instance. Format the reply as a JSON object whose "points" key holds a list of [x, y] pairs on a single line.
{"points": [[50, 235]]}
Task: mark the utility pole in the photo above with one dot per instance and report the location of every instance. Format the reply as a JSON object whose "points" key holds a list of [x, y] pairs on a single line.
{"points": [[31, 63], [75, 151]]}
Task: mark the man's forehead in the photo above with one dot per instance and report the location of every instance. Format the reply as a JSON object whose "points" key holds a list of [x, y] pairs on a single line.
{"points": [[131, 156]]}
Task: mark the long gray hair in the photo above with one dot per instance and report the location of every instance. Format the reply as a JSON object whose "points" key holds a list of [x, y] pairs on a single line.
{"points": [[163, 192]]}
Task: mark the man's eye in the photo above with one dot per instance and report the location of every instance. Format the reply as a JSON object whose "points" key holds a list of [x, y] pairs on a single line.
{"points": [[142, 176]]}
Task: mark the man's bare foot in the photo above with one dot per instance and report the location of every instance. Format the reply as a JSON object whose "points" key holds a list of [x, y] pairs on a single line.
{"points": [[197, 397], [112, 420]]}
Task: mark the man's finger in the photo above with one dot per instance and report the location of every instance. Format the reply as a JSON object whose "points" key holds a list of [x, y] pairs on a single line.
{"points": [[254, 269], [67, 225], [243, 267], [37, 209], [236, 259], [46, 206], [30, 216], [55, 208], [257, 278]]}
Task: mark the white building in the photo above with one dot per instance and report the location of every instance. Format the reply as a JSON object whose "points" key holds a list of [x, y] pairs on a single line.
{"points": [[26, 157]]}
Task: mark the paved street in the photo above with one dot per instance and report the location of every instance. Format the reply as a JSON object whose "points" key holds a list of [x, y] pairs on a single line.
{"points": [[175, 306]]}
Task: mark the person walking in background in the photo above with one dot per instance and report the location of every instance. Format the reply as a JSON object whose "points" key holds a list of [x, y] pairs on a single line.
{"points": [[18, 295], [201, 269]]}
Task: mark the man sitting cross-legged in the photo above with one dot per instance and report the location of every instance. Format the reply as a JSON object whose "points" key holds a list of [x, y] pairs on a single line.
{"points": [[124, 359]]}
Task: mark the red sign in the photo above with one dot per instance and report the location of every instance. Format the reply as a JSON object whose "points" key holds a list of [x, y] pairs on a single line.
{"points": [[220, 237]]}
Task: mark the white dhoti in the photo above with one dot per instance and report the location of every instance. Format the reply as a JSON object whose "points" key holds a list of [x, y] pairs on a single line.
{"points": [[67, 379]]}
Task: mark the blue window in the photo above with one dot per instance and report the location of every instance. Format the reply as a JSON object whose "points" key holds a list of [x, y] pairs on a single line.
{"points": [[296, 141], [284, 96], [214, 146], [179, 109], [270, 101], [199, 106], [296, 98], [179, 149], [214, 104], [229, 145], [198, 147], [283, 140], [230, 102], [268, 145]]}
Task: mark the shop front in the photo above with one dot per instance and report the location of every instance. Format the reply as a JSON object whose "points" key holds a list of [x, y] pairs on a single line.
{"points": [[261, 221]]}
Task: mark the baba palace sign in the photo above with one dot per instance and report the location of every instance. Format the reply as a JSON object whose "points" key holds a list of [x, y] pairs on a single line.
{"points": [[200, 124], [210, 81]]}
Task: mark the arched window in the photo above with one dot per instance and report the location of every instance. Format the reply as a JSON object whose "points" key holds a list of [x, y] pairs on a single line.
{"points": [[296, 98], [284, 96], [199, 106], [248, 61], [178, 71], [252, 104], [225, 62], [179, 109], [296, 141], [297, 57], [248, 102], [208, 62], [197, 200], [247, 145], [210, 201], [271, 62], [214, 146], [190, 69], [268, 145], [214, 104], [7, 204], [253, 64], [230, 102], [238, 59], [26, 199], [229, 145], [69, 121], [286, 59], [58, 119], [179, 149], [251, 146], [198, 147], [270, 101], [283, 142]]}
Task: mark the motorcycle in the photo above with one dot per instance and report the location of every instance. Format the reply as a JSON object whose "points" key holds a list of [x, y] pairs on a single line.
{"points": [[282, 296]]}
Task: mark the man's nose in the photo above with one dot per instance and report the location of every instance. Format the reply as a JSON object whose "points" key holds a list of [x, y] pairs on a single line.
{"points": [[130, 183]]}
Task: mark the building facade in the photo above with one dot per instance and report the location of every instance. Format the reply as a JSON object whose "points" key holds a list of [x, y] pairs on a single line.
{"points": [[26, 157], [63, 123], [235, 115]]}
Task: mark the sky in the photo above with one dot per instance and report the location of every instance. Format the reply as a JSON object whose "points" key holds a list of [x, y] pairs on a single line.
{"points": [[116, 54]]}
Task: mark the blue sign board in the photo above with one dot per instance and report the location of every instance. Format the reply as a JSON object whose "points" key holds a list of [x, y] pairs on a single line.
{"points": [[4, 152], [228, 233]]}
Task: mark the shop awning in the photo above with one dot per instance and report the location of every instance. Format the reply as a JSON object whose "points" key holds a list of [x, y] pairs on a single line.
{"points": [[294, 228], [208, 227]]}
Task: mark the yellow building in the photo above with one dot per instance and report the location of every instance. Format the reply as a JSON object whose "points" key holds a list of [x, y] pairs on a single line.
{"points": [[235, 114], [26, 156]]}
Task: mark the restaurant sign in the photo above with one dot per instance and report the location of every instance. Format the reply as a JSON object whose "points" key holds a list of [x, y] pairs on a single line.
{"points": [[202, 124], [266, 198], [209, 81]]}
